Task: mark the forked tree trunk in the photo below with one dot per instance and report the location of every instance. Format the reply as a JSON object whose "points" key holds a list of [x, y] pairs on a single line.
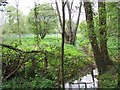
{"points": [[98, 55], [71, 31], [103, 32]]}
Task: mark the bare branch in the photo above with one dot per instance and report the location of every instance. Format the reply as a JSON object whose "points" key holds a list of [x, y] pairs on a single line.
{"points": [[72, 4], [60, 20], [78, 18], [13, 71]]}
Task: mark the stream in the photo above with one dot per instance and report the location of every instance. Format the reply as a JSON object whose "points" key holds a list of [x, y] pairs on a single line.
{"points": [[84, 82]]}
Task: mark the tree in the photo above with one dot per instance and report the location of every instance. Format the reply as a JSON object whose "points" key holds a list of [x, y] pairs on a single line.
{"points": [[44, 17], [11, 24], [71, 31], [99, 54], [18, 22], [103, 32], [112, 9], [63, 34]]}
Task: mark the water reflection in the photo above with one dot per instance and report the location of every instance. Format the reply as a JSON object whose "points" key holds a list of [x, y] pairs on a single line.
{"points": [[84, 82]]}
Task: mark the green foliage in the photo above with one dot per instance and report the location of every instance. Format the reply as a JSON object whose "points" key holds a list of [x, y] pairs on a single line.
{"points": [[10, 26], [109, 79], [83, 28], [42, 20], [31, 83], [112, 29], [112, 19], [75, 59]]}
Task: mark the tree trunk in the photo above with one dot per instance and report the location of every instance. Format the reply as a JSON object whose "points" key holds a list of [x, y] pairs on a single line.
{"points": [[70, 32], [33, 67], [77, 23], [103, 33], [1, 63], [18, 23], [36, 24], [92, 37], [45, 62], [62, 52]]}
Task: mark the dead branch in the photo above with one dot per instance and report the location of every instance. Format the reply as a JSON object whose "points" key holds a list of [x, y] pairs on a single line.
{"points": [[22, 51], [13, 71]]}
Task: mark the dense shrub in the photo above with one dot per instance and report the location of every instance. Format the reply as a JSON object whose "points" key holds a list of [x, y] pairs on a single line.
{"points": [[109, 79]]}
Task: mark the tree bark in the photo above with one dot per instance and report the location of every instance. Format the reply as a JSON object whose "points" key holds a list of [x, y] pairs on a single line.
{"points": [[77, 23], [72, 30], [62, 52], [45, 62], [60, 20], [36, 24], [70, 33], [103, 33], [32, 72], [92, 37]]}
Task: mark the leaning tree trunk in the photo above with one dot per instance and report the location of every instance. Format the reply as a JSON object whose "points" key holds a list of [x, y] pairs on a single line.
{"points": [[77, 23], [93, 39], [103, 33]]}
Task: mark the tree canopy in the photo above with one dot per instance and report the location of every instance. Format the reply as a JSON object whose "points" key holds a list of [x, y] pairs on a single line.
{"points": [[46, 19], [10, 25]]}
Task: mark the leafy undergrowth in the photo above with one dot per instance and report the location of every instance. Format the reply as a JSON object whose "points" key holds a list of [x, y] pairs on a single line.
{"points": [[109, 79], [31, 83], [74, 62]]}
